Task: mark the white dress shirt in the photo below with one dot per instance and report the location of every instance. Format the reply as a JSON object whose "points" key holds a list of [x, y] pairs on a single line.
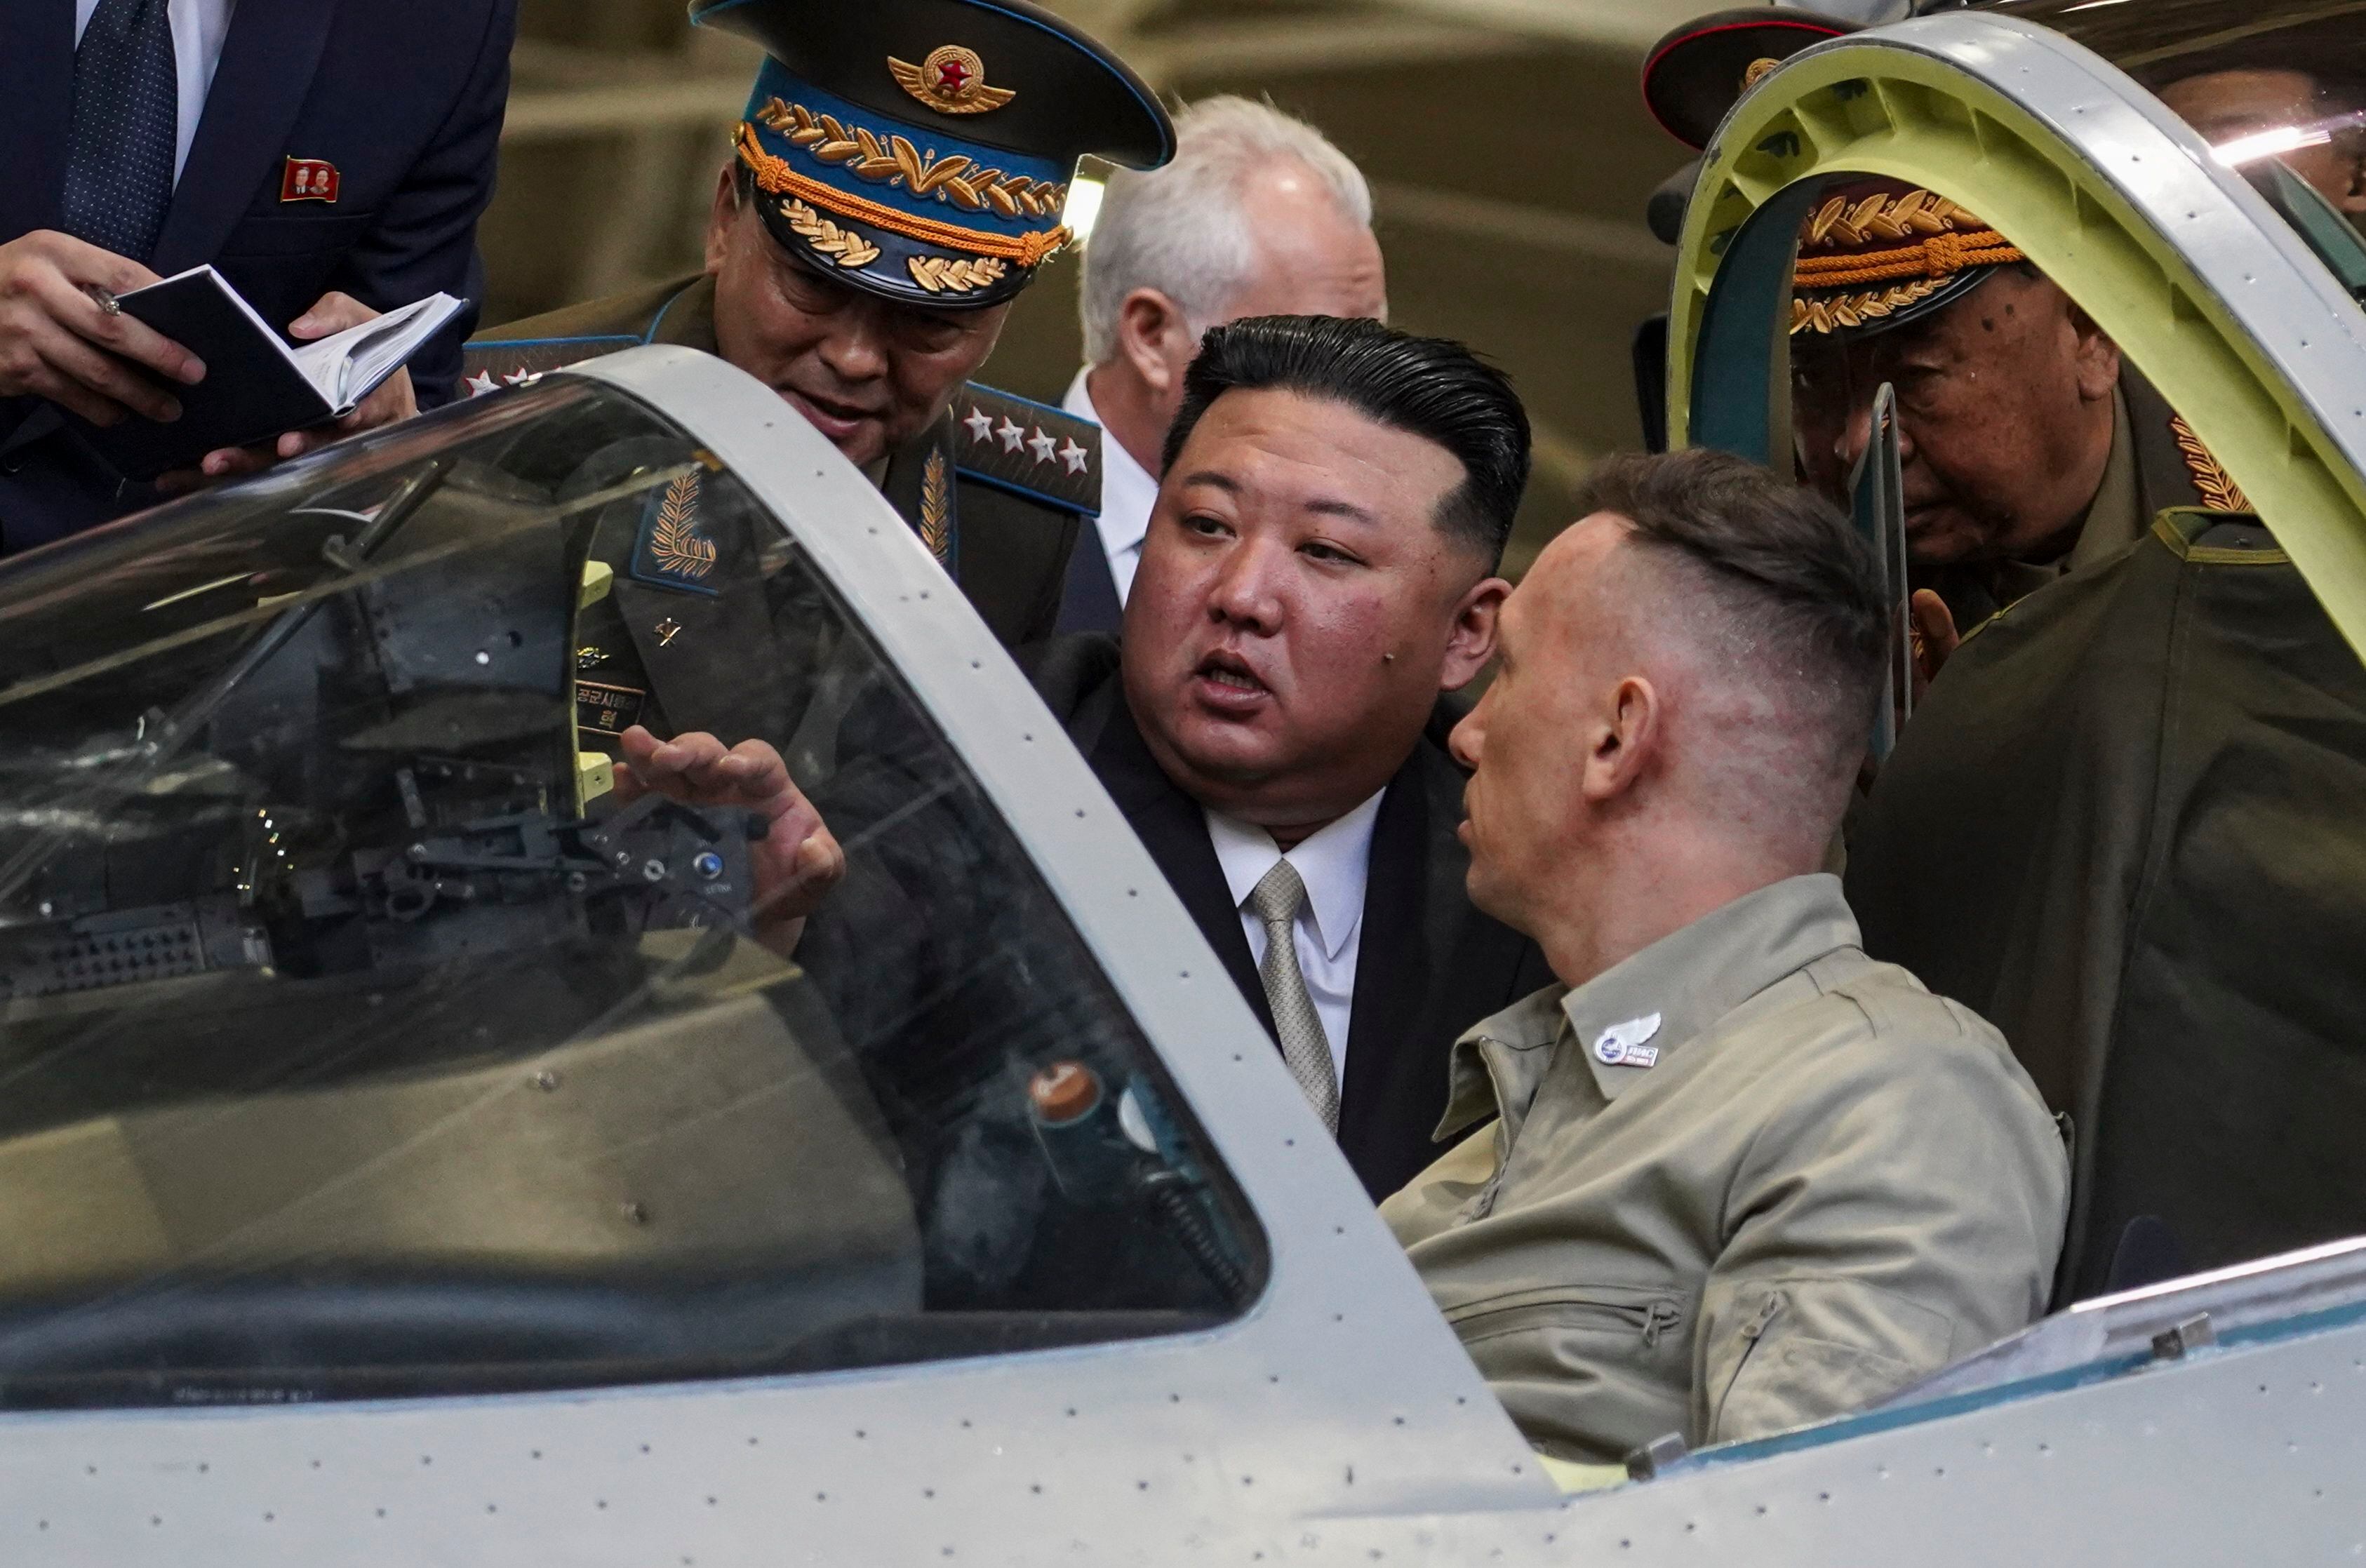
{"points": [[1334, 865], [199, 29], [1128, 492]]}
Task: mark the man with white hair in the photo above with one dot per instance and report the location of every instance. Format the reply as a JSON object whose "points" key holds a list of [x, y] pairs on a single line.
{"points": [[1258, 215]]}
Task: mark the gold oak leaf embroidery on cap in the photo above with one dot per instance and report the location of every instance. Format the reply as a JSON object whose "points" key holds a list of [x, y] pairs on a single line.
{"points": [[842, 246], [950, 275], [954, 179]]}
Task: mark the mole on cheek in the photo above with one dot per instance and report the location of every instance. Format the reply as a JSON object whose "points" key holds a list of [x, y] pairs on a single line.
{"points": [[1987, 323]]}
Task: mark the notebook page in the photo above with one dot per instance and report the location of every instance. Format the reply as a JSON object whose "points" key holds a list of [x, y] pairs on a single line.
{"points": [[345, 367]]}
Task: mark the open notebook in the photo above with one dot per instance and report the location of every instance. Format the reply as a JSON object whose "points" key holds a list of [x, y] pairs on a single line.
{"points": [[257, 386]]}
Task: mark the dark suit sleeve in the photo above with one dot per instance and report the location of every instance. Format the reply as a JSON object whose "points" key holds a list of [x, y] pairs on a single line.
{"points": [[426, 236]]}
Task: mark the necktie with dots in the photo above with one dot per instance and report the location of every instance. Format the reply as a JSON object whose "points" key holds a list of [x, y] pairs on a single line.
{"points": [[127, 121], [1275, 901]]}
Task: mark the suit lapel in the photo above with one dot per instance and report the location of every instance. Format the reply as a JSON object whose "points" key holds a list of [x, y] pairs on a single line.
{"points": [[1172, 828], [1090, 601], [36, 111], [267, 62], [1393, 960]]}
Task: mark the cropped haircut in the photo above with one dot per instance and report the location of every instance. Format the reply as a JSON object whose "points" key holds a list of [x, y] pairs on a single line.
{"points": [[1429, 387], [1181, 230], [1793, 578]]}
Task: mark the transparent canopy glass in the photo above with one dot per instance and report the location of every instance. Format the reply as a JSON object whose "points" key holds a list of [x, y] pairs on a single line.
{"points": [[359, 1037]]}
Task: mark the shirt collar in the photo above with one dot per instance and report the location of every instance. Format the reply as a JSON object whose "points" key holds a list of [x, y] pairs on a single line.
{"points": [[1333, 863], [1127, 490], [1497, 1065], [1687, 980]]}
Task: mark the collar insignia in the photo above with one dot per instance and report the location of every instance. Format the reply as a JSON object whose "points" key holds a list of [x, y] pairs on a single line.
{"points": [[1625, 1044], [951, 80], [674, 549]]}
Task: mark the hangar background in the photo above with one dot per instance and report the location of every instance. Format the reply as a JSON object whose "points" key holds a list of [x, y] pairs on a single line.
{"points": [[1505, 140]]}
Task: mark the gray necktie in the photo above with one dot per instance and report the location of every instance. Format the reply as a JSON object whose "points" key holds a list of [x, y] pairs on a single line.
{"points": [[1276, 900]]}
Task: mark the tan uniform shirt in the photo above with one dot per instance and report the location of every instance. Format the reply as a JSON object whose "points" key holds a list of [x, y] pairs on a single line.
{"points": [[1745, 1179]]}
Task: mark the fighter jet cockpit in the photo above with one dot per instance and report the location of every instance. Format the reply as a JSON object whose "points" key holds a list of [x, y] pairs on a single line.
{"points": [[365, 1032]]}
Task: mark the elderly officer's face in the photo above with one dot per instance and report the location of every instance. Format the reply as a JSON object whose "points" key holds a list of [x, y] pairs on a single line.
{"points": [[1298, 609], [2004, 418], [869, 374]]}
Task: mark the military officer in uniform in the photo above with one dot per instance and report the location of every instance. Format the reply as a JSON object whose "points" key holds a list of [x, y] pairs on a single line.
{"points": [[2029, 447], [900, 176]]}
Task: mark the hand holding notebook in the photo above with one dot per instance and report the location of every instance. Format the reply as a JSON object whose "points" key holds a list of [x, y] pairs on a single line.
{"points": [[256, 386]]}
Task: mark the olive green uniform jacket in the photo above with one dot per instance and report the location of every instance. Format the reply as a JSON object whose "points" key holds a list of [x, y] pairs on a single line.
{"points": [[1745, 1180], [2129, 826], [1013, 482]]}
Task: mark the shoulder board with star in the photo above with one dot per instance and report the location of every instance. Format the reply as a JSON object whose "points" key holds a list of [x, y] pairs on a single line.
{"points": [[1031, 449], [486, 364]]}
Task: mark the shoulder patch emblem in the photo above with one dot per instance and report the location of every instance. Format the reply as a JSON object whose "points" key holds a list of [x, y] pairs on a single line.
{"points": [[1045, 453]]}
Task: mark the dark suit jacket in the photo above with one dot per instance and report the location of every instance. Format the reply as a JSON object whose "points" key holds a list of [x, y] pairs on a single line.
{"points": [[1430, 965], [406, 100], [1089, 603]]}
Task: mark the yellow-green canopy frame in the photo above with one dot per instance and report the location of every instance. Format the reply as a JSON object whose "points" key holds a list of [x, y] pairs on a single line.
{"points": [[1864, 107]]}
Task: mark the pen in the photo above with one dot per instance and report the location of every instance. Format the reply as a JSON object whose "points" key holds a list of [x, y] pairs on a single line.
{"points": [[103, 299]]}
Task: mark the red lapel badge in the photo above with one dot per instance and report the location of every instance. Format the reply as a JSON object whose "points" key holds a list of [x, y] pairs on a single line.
{"points": [[309, 179]]}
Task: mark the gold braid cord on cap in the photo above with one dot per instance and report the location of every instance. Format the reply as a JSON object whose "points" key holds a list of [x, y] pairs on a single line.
{"points": [[1951, 242], [774, 177]]}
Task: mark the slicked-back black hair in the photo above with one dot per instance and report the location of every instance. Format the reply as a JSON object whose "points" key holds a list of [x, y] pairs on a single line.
{"points": [[1433, 388], [1784, 559]]}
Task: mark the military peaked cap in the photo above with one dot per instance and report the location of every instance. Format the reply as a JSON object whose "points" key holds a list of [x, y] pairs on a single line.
{"points": [[1878, 253], [922, 150], [1699, 71]]}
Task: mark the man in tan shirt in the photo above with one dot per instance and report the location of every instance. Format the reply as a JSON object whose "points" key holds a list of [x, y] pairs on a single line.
{"points": [[1740, 1177]]}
